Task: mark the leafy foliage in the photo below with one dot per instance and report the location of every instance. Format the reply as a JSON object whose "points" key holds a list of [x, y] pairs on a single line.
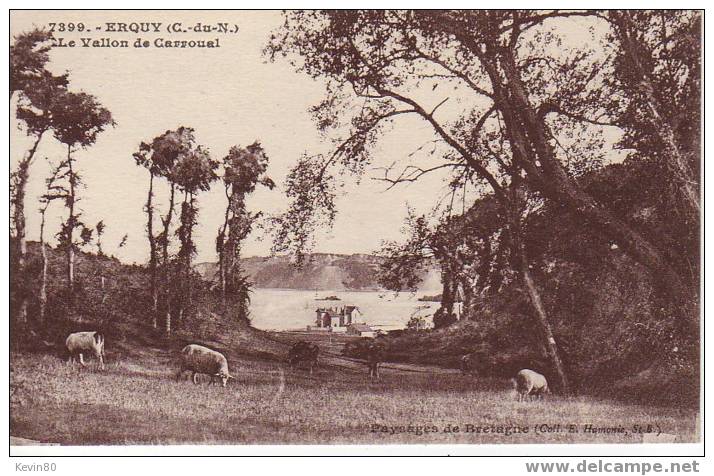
{"points": [[78, 118], [532, 129], [243, 170], [29, 55]]}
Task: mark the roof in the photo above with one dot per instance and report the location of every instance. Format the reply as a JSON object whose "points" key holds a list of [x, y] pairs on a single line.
{"points": [[351, 308], [362, 328]]}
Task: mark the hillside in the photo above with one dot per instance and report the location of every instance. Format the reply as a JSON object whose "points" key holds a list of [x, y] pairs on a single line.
{"points": [[114, 297], [322, 271]]}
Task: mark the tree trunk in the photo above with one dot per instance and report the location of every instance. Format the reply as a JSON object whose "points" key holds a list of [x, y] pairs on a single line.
{"points": [[232, 255], [167, 223], [152, 253], [194, 214], [529, 141], [70, 226], [447, 295], [184, 233], [513, 211], [43, 283], [550, 344], [104, 293], [222, 251], [189, 258], [167, 228], [23, 175], [467, 286], [154, 302], [222, 271]]}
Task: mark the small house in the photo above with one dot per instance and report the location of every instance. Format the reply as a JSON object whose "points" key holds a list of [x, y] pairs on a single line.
{"points": [[351, 314], [336, 317], [327, 318], [362, 330]]}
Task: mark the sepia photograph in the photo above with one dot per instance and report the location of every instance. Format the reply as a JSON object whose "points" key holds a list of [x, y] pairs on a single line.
{"points": [[241, 228]]}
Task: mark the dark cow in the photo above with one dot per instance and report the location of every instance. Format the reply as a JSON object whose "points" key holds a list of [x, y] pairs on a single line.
{"points": [[374, 355], [303, 352], [366, 349]]}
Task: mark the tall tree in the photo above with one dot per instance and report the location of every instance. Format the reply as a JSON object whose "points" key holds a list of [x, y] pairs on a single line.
{"points": [[160, 157], [143, 159], [494, 39], [658, 70], [195, 171], [77, 120], [34, 110], [389, 64], [243, 170], [522, 89]]}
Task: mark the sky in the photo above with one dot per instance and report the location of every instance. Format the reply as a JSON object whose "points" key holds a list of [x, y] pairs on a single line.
{"points": [[231, 95]]}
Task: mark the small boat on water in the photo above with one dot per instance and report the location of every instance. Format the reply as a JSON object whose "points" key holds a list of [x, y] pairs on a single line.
{"points": [[328, 298]]}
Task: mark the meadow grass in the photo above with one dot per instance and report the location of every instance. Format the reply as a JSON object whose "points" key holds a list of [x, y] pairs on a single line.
{"points": [[139, 401]]}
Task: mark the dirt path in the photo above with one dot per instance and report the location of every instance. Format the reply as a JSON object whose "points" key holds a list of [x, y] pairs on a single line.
{"points": [[331, 354]]}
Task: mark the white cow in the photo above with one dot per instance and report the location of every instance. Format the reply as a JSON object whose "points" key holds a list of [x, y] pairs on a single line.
{"points": [[202, 360], [530, 383], [80, 343]]}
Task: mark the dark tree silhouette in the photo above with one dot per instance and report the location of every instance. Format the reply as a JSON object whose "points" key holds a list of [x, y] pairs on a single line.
{"points": [[143, 158], [658, 70], [525, 97], [29, 55], [37, 89], [195, 171], [243, 169], [505, 59], [77, 120], [161, 157]]}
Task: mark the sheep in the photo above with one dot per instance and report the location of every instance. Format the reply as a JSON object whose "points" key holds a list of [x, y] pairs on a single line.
{"points": [[530, 383], [202, 360], [80, 343]]}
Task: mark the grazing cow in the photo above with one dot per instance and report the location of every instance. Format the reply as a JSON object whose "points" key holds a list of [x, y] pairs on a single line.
{"points": [[530, 383], [468, 364], [201, 360], [80, 343], [374, 355], [303, 352]]}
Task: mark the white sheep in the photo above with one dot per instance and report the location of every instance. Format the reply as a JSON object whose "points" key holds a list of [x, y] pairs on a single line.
{"points": [[202, 360], [80, 343], [530, 383]]}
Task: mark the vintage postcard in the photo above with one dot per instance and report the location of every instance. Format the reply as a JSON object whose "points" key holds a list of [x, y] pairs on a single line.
{"points": [[354, 227]]}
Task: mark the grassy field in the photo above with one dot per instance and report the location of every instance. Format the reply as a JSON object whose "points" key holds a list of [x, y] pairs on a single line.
{"points": [[136, 400]]}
